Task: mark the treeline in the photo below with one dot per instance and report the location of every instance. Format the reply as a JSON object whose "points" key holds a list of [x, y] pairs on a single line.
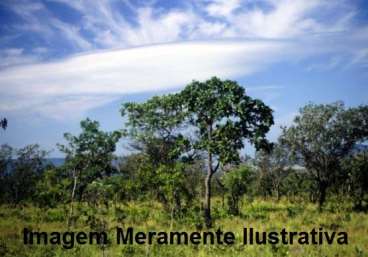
{"points": [[186, 147]]}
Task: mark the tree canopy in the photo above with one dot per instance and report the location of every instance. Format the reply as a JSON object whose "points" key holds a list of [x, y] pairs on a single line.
{"points": [[322, 135], [214, 117]]}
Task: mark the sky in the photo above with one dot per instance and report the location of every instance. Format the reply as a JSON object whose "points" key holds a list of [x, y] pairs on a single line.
{"points": [[63, 61]]}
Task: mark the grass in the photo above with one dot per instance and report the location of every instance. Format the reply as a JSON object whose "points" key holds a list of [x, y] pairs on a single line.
{"points": [[264, 215]]}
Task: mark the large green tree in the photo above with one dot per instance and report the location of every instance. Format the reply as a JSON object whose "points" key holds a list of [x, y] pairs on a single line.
{"points": [[211, 118], [89, 156], [322, 136], [156, 128], [223, 117]]}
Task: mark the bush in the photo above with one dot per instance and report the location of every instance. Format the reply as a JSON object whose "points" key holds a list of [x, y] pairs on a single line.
{"points": [[236, 182]]}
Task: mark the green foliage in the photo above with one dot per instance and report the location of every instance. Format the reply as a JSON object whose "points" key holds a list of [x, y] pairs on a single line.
{"points": [[297, 183], [322, 136], [54, 215], [176, 138], [236, 183], [262, 215], [6, 153], [219, 112], [89, 155], [51, 188], [357, 168], [25, 171], [99, 192], [224, 116], [273, 168], [155, 126]]}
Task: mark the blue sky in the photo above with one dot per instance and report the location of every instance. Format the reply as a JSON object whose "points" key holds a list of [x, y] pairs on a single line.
{"points": [[62, 61]]}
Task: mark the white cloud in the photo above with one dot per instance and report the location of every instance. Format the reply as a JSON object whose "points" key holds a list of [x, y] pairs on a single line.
{"points": [[231, 38], [72, 33], [269, 19], [222, 7], [15, 56], [105, 24], [53, 89]]}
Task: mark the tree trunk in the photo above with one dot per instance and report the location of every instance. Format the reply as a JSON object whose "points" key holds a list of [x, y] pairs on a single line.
{"points": [[72, 198], [177, 203], [207, 183], [278, 192], [322, 194], [207, 200]]}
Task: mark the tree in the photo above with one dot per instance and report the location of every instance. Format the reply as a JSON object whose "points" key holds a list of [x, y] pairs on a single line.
{"points": [[212, 117], [273, 167], [3, 123], [356, 167], [156, 128], [51, 187], [236, 183], [129, 169], [26, 171], [89, 156], [321, 136], [223, 116], [6, 154]]}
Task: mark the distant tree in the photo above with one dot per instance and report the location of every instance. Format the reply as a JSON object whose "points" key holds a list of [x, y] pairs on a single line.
{"points": [[297, 183], [155, 127], [51, 188], [322, 136], [129, 168], [26, 171], [223, 116], [3, 123], [273, 167], [6, 154], [356, 167], [236, 183], [89, 156]]}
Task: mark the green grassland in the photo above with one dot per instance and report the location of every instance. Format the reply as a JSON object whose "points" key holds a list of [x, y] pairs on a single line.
{"points": [[261, 214]]}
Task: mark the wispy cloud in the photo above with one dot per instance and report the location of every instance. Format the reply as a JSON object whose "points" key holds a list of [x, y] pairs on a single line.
{"points": [[107, 25], [15, 56], [197, 39], [102, 76]]}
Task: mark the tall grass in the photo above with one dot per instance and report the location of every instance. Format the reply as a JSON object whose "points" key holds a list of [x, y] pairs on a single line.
{"points": [[264, 215]]}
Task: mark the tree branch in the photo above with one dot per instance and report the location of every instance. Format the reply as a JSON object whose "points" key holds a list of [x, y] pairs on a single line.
{"points": [[216, 168]]}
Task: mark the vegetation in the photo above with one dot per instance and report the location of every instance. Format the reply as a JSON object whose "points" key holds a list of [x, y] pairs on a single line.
{"points": [[3, 123], [88, 157], [223, 117], [322, 136], [149, 215], [187, 150]]}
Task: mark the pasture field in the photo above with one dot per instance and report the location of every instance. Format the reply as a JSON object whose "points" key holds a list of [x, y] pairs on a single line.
{"points": [[261, 214]]}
